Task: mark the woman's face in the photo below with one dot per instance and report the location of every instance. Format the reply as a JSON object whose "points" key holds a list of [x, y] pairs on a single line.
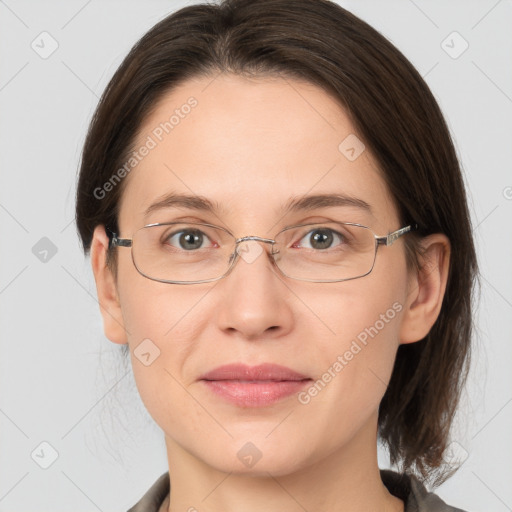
{"points": [[250, 147]]}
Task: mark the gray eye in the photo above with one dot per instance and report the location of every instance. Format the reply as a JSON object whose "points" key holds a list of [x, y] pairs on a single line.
{"points": [[188, 240], [321, 238]]}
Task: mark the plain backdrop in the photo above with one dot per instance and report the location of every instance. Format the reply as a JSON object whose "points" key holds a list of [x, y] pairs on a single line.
{"points": [[73, 432]]}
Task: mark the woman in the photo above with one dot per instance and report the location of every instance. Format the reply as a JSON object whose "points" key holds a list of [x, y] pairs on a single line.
{"points": [[243, 169]]}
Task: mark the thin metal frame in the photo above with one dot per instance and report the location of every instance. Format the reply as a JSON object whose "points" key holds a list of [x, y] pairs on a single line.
{"points": [[386, 240]]}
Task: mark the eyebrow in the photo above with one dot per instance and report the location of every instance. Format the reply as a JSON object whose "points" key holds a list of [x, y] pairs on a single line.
{"points": [[294, 204], [313, 202], [174, 200]]}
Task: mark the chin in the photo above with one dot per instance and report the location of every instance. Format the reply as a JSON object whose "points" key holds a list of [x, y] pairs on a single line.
{"points": [[257, 456]]}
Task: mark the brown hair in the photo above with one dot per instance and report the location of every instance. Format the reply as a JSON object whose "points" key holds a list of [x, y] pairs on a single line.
{"points": [[396, 116]]}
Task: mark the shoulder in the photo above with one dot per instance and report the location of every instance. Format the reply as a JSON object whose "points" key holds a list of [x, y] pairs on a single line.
{"points": [[154, 496], [413, 493]]}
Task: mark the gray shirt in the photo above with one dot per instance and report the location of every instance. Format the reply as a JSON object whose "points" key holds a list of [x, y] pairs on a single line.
{"points": [[406, 487]]}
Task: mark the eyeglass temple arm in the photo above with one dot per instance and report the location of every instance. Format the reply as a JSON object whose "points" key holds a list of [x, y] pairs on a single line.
{"points": [[390, 239], [120, 242]]}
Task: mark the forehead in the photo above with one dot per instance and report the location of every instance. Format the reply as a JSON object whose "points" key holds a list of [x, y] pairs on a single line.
{"points": [[249, 145]]}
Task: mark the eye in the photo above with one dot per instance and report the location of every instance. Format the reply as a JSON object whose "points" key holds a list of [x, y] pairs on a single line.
{"points": [[320, 238], [188, 239]]}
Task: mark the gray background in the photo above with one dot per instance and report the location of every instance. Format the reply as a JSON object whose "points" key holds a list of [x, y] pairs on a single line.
{"points": [[63, 383]]}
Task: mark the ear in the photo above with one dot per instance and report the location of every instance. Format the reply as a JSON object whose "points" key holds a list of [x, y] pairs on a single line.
{"points": [[113, 323], [426, 289]]}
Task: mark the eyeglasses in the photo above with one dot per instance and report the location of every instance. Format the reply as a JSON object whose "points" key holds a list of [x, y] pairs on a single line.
{"points": [[193, 253]]}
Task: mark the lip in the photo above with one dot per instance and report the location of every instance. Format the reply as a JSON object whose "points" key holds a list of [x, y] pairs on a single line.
{"points": [[254, 386]]}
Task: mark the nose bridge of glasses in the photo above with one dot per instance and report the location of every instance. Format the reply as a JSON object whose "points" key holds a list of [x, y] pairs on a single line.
{"points": [[248, 249], [255, 238]]}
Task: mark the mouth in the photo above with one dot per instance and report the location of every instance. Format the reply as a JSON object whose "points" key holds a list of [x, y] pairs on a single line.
{"points": [[254, 386]]}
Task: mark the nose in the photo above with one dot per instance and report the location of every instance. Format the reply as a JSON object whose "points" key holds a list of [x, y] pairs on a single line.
{"points": [[254, 300]]}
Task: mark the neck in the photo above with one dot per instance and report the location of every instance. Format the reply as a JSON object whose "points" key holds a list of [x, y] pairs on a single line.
{"points": [[347, 479]]}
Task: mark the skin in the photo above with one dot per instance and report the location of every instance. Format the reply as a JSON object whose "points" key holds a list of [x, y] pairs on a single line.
{"points": [[251, 145]]}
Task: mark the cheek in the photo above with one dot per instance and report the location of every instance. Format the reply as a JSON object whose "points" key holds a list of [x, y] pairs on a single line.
{"points": [[166, 325], [362, 310], [355, 353], [155, 310], [162, 321]]}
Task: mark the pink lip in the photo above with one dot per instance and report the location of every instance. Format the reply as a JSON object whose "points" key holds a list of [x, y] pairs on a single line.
{"points": [[254, 386]]}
